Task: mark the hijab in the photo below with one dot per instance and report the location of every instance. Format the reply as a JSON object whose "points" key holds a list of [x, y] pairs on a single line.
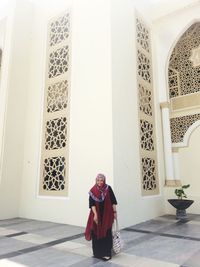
{"points": [[98, 193]]}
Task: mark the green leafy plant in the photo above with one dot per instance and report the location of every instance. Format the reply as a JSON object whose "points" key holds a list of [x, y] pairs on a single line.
{"points": [[180, 191]]}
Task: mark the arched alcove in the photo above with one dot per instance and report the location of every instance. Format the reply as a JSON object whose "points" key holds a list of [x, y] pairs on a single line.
{"points": [[184, 83], [183, 73], [184, 95]]}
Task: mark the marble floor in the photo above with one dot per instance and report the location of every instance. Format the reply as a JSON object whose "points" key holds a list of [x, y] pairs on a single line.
{"points": [[161, 242]]}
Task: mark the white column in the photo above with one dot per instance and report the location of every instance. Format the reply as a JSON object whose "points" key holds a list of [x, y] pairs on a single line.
{"points": [[170, 179], [175, 155]]}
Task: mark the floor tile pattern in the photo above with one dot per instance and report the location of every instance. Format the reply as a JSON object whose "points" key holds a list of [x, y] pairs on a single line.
{"points": [[161, 242]]}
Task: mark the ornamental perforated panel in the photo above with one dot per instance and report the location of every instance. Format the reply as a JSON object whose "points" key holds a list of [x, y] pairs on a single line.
{"points": [[143, 66], [57, 96], [58, 61], [54, 174], [180, 125], [184, 64], [146, 135], [148, 157], [54, 158], [149, 174], [145, 100], [184, 79], [59, 30], [56, 133], [142, 35], [173, 83]]}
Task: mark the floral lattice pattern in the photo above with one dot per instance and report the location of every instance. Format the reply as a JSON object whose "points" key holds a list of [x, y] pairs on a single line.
{"points": [[145, 100], [180, 61], [173, 82], [55, 142], [148, 174], [54, 174], [180, 125], [146, 135], [59, 30], [56, 133], [57, 96], [148, 160], [58, 62], [144, 67], [142, 35]]}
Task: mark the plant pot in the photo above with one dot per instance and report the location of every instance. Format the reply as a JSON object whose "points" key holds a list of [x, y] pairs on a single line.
{"points": [[181, 205]]}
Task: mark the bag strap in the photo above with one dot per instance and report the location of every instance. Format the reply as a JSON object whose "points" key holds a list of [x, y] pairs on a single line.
{"points": [[116, 226]]}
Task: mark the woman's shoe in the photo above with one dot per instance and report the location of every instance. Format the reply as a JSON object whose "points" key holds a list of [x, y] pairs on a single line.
{"points": [[106, 258]]}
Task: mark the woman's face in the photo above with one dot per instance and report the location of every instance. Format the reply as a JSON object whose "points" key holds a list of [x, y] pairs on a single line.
{"points": [[100, 181]]}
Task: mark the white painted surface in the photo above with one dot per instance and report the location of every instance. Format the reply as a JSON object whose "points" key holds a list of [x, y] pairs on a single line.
{"points": [[104, 134], [13, 100], [90, 137], [126, 140], [169, 168], [189, 159]]}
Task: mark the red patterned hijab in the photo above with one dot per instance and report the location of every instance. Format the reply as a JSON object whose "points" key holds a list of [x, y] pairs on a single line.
{"points": [[98, 193]]}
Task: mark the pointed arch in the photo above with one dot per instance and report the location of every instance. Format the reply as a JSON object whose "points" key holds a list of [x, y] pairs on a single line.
{"points": [[189, 132], [187, 135], [184, 29]]}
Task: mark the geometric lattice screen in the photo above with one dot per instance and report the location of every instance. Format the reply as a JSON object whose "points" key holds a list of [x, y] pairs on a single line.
{"points": [[184, 78], [55, 142], [180, 125], [148, 157]]}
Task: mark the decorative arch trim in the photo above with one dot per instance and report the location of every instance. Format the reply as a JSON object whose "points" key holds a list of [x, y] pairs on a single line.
{"points": [[187, 135]]}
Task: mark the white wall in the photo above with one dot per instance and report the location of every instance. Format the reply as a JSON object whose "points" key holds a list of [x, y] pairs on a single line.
{"points": [[189, 160], [103, 114], [133, 208], [13, 92], [90, 111]]}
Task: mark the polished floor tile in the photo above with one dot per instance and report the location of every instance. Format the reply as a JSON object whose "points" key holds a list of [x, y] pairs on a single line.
{"points": [[161, 242]]}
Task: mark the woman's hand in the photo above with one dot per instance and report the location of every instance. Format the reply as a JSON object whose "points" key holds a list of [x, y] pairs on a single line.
{"points": [[95, 214], [95, 218], [115, 215]]}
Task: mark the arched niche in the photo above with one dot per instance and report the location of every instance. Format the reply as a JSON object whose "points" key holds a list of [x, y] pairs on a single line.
{"points": [[184, 84], [183, 73]]}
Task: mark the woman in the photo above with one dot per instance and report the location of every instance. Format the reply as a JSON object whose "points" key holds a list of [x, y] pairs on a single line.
{"points": [[102, 203]]}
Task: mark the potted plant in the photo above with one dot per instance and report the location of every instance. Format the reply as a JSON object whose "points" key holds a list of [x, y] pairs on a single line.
{"points": [[181, 204]]}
